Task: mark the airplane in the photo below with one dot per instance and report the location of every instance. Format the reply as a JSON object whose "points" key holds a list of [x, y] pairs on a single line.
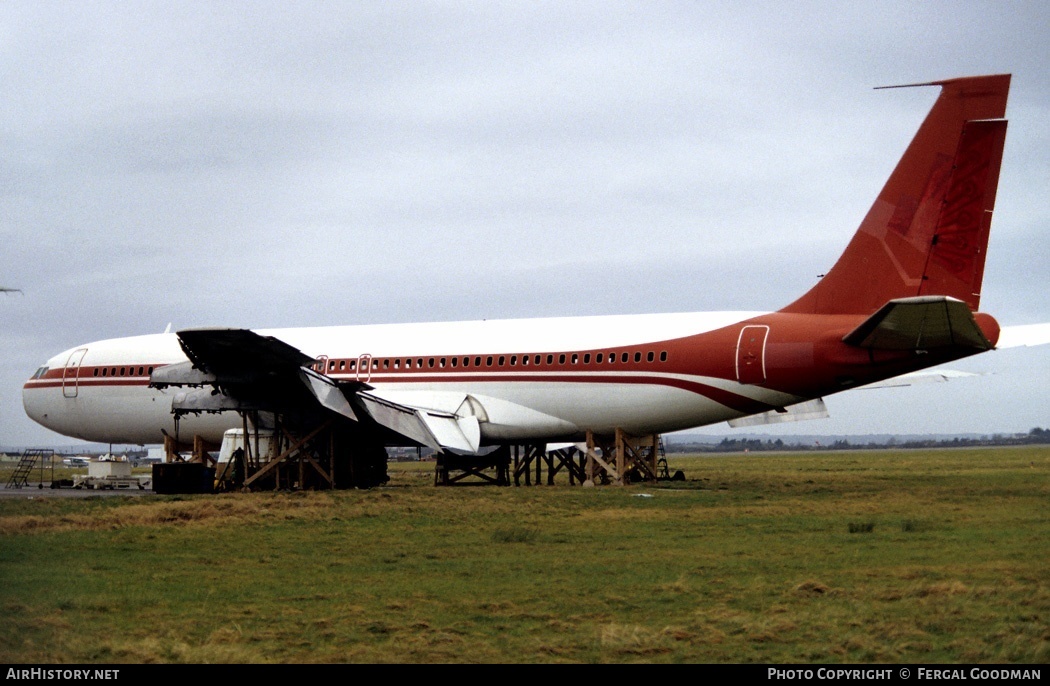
{"points": [[902, 298], [76, 461]]}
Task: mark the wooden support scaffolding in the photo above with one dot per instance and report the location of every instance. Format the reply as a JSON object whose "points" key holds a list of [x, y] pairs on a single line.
{"points": [[328, 455], [493, 468], [305, 462], [284, 452], [171, 450], [530, 459], [200, 450], [618, 459], [623, 460]]}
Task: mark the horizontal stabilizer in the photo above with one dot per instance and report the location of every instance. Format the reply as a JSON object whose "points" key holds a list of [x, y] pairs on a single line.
{"points": [[920, 323], [435, 429], [811, 409]]}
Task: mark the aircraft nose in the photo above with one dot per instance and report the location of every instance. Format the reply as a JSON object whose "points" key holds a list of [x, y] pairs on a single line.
{"points": [[33, 396], [42, 400]]}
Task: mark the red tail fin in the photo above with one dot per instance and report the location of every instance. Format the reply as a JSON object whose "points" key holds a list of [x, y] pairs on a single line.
{"points": [[927, 232]]}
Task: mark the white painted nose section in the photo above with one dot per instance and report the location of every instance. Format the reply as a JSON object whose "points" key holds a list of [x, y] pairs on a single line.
{"points": [[46, 405]]}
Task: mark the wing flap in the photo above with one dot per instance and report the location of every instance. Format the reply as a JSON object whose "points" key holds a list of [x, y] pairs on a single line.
{"points": [[436, 429], [327, 392]]}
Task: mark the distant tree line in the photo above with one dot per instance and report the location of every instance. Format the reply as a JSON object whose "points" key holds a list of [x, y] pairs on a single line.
{"points": [[739, 445]]}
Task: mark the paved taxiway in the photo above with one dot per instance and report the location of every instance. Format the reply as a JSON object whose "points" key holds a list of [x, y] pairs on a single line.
{"points": [[33, 490]]}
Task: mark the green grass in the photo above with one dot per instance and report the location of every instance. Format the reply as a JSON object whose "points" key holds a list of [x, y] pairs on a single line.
{"points": [[752, 559]]}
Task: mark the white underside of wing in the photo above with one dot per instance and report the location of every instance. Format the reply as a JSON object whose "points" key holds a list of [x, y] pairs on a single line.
{"points": [[799, 412], [921, 377]]}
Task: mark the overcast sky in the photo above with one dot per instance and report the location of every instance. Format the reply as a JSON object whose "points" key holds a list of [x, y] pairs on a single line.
{"points": [[286, 164]]}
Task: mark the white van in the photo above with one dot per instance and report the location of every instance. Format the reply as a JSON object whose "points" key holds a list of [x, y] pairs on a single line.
{"points": [[234, 439]]}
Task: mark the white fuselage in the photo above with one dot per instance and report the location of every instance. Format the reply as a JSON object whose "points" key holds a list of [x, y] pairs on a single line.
{"points": [[529, 376]]}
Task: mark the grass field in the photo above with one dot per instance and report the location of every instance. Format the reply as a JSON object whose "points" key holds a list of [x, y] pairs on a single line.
{"points": [[874, 556]]}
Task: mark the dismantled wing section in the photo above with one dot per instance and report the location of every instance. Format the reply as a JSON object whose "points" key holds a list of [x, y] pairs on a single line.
{"points": [[204, 400], [234, 354], [246, 372], [811, 409], [920, 323], [181, 374], [437, 429]]}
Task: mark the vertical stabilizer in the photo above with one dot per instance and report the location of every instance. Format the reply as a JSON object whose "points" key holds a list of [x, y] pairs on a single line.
{"points": [[927, 233]]}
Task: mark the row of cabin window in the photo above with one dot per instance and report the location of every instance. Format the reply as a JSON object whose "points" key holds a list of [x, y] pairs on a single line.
{"points": [[500, 360], [124, 371]]}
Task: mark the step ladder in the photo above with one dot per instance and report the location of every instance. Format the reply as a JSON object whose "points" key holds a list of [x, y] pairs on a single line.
{"points": [[662, 471], [20, 477]]}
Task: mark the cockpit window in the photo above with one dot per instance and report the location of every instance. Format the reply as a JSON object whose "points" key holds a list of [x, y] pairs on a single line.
{"points": [[40, 372]]}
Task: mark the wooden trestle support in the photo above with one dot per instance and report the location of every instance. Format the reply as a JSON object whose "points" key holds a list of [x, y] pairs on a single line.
{"points": [[530, 459], [493, 468], [300, 462], [199, 449], [619, 460], [332, 456], [627, 459], [328, 456]]}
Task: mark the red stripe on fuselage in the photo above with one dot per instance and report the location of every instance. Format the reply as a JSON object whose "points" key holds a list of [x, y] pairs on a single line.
{"points": [[721, 396], [73, 383]]}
